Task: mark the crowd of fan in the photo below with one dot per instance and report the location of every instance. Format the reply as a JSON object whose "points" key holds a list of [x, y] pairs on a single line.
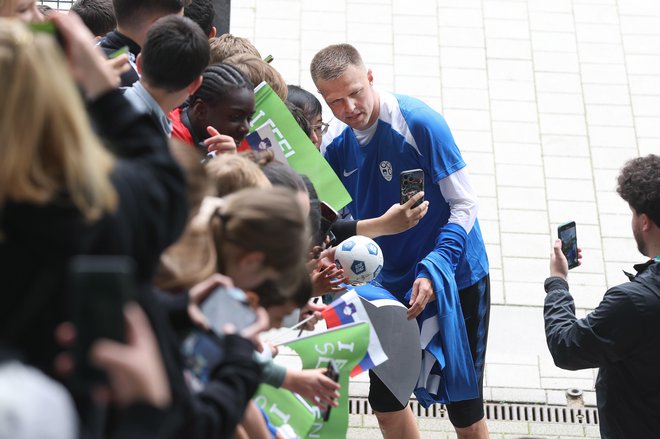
{"points": [[104, 157]]}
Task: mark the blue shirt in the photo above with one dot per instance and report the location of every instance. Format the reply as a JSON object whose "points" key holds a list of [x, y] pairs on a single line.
{"points": [[145, 103], [409, 135]]}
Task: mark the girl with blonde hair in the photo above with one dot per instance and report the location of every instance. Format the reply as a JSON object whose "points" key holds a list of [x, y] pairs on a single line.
{"points": [[62, 193]]}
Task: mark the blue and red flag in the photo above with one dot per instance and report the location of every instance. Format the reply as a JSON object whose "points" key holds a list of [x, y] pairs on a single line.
{"points": [[349, 309]]}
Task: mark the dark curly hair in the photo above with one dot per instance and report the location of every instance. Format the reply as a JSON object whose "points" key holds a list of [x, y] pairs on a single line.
{"points": [[639, 185]]}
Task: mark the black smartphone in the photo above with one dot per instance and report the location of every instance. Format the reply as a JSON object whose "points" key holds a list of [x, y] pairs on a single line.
{"points": [[331, 372], [566, 233], [411, 182], [228, 305], [101, 286], [328, 218]]}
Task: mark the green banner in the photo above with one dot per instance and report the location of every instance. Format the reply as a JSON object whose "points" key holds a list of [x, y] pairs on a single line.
{"points": [[286, 408], [299, 151], [347, 346]]}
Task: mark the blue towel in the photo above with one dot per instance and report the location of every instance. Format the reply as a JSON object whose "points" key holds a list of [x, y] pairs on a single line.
{"points": [[448, 373]]}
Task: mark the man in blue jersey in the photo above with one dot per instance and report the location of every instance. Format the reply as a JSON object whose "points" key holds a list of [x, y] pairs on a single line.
{"points": [[441, 262]]}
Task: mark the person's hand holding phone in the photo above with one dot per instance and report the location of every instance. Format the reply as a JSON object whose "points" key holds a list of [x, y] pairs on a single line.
{"points": [[200, 292], [397, 219], [559, 263], [313, 385], [136, 369]]}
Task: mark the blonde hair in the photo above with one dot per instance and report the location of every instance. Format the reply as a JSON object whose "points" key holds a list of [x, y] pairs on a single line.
{"points": [[270, 221], [258, 70], [49, 147], [231, 173], [330, 63], [226, 45]]}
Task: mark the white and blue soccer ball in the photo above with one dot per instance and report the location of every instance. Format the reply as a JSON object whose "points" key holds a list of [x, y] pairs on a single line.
{"points": [[360, 257]]}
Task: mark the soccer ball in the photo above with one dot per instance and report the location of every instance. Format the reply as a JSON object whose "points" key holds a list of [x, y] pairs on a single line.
{"points": [[360, 257]]}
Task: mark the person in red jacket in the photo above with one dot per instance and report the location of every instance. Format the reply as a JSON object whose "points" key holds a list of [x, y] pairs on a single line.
{"points": [[217, 116]]}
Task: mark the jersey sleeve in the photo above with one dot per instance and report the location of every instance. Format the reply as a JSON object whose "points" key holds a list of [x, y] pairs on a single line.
{"points": [[435, 143]]}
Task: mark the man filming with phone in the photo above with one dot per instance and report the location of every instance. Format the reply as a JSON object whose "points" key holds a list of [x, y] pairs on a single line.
{"points": [[622, 335], [439, 266]]}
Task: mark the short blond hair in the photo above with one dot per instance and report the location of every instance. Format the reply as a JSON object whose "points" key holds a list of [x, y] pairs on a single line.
{"points": [[330, 63], [227, 45], [232, 172], [258, 70], [49, 146]]}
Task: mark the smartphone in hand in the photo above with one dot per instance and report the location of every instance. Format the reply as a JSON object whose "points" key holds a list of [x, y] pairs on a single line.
{"points": [[331, 372], [328, 218], [101, 286], [410, 183], [568, 236], [228, 306]]}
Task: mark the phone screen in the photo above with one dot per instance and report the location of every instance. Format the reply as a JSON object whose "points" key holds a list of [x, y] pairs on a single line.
{"points": [[101, 287], [331, 372], [568, 237], [411, 182], [328, 218], [228, 305]]}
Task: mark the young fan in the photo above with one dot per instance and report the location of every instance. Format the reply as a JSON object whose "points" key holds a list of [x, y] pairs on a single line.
{"points": [[257, 70], [217, 116], [312, 110], [227, 45], [174, 55], [98, 15], [202, 12]]}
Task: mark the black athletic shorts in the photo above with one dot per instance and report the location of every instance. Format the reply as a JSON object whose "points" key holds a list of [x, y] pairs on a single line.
{"points": [[475, 303]]}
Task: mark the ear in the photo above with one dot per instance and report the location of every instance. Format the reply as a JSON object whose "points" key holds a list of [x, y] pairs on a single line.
{"points": [[138, 64], [645, 222], [213, 32], [192, 88], [253, 299], [370, 77], [198, 108]]}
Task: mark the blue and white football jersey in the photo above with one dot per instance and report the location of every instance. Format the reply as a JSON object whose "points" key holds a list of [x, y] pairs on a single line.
{"points": [[409, 135]]}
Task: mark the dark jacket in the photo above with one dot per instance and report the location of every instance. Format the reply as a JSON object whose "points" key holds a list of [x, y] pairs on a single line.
{"points": [[114, 41], [622, 338], [214, 412], [39, 240]]}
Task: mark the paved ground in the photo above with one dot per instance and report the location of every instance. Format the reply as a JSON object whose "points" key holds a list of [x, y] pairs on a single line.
{"points": [[546, 99]]}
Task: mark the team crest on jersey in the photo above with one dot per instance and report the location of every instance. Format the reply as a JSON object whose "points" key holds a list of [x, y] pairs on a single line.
{"points": [[386, 170]]}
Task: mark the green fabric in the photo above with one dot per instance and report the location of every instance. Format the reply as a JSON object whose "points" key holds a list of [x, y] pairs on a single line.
{"points": [[299, 151], [283, 407], [346, 345]]}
